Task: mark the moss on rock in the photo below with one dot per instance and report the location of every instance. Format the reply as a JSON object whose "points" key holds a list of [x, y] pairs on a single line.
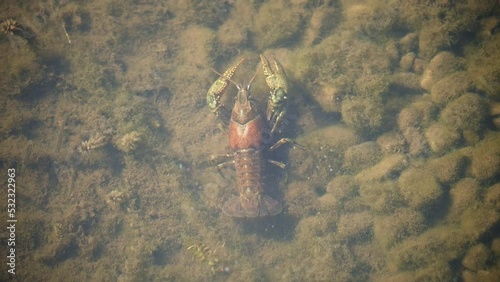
{"points": [[419, 188], [451, 87], [363, 115], [485, 158], [441, 137], [360, 156], [476, 257], [381, 196], [468, 112], [275, 23], [389, 165], [463, 194], [441, 65], [449, 168], [394, 228]]}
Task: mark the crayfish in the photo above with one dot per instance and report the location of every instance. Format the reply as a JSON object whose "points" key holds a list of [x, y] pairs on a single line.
{"points": [[247, 129]]}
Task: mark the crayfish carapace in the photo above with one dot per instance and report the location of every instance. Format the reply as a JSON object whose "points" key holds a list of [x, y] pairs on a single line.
{"points": [[246, 130]]}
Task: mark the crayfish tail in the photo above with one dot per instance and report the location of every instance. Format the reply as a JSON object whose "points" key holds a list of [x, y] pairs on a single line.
{"points": [[266, 206], [270, 206]]}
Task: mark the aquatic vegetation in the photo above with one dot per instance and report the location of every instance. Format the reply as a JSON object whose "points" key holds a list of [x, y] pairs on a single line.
{"points": [[485, 158], [371, 19], [492, 197], [10, 26], [391, 142], [468, 112], [342, 187], [402, 223], [441, 65], [363, 114], [419, 114], [464, 194], [321, 21], [441, 137], [117, 199], [339, 138], [417, 145], [451, 87], [361, 156], [448, 168], [420, 189], [130, 141], [408, 44], [389, 165], [270, 32], [407, 61], [105, 120], [96, 141], [355, 226], [382, 197], [481, 65], [21, 69], [476, 257], [205, 254], [232, 33], [198, 46], [448, 239]]}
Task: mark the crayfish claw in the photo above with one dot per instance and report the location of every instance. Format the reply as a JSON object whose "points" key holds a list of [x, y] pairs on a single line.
{"points": [[276, 78], [217, 89], [277, 103]]}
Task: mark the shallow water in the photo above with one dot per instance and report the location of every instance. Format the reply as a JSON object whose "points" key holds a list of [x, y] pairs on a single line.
{"points": [[104, 120]]}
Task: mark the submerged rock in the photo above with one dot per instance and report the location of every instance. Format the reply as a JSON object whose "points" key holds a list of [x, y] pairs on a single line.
{"points": [[441, 65], [476, 257], [388, 166], [441, 137], [419, 188]]}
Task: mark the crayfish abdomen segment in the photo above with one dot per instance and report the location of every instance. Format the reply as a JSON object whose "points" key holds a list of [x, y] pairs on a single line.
{"points": [[251, 202]]}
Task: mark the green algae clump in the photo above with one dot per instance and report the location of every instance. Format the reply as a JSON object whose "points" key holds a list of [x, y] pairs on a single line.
{"points": [[448, 168], [338, 137], [482, 63], [392, 229], [361, 156], [476, 257], [338, 190], [468, 112], [441, 137], [418, 114], [485, 158], [391, 142], [443, 243], [275, 23], [419, 188], [443, 64], [381, 196], [389, 165], [197, 46], [352, 226], [451, 87], [363, 115], [372, 19], [478, 220], [492, 197], [463, 194]]}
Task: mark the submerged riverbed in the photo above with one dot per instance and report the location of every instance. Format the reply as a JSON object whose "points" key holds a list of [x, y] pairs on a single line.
{"points": [[104, 118]]}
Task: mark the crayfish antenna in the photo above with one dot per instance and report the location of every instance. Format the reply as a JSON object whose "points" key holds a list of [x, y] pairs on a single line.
{"points": [[251, 80]]}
